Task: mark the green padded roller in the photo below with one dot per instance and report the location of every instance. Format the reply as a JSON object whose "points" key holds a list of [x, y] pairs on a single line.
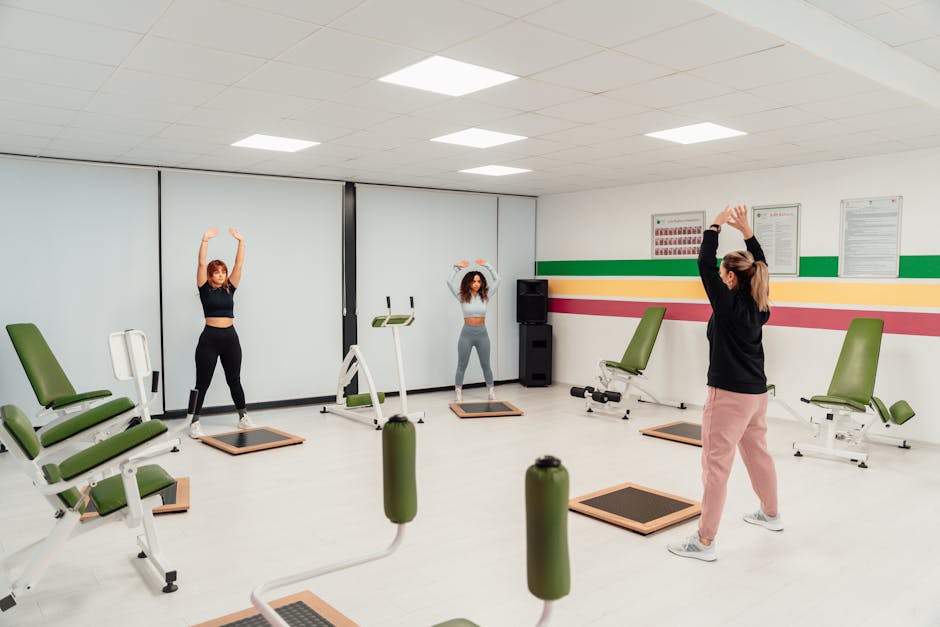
{"points": [[398, 469], [901, 412], [546, 512], [363, 400]]}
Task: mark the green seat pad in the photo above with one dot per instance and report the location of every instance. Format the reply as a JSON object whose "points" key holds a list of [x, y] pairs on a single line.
{"points": [[19, 426], [880, 409], [109, 449], [457, 622], [837, 400], [71, 399], [901, 412], [771, 388], [71, 496], [86, 420], [363, 400], [394, 320], [619, 366], [108, 496]]}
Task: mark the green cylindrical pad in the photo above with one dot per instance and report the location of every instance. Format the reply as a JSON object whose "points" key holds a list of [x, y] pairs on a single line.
{"points": [[901, 412], [398, 467], [546, 509]]}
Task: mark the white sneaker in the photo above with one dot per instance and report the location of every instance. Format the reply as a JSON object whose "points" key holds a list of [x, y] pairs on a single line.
{"points": [[763, 520], [245, 423], [459, 394], [195, 430], [692, 547], [492, 395]]}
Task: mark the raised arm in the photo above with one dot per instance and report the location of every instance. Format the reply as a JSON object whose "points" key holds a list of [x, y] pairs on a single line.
{"points": [[739, 221], [236, 275], [495, 275], [452, 283], [201, 273], [707, 268]]}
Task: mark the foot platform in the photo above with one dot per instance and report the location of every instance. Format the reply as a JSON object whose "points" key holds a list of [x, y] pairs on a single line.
{"points": [[484, 409], [251, 440], [679, 431], [636, 507], [304, 609]]}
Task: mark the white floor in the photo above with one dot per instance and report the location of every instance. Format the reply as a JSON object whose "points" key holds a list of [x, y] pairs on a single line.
{"points": [[861, 547]]}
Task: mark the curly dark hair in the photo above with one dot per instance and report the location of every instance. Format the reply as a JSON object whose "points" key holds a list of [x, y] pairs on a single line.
{"points": [[466, 294]]}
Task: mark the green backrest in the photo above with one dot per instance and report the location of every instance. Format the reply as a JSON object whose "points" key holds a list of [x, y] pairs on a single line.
{"points": [[855, 372], [42, 368], [19, 426], [637, 355]]}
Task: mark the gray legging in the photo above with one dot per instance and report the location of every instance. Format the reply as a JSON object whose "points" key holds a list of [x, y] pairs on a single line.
{"points": [[472, 336]]}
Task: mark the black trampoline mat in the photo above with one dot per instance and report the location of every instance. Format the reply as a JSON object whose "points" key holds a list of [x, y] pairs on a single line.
{"points": [[255, 437], [297, 614], [485, 407], [636, 504], [683, 430]]}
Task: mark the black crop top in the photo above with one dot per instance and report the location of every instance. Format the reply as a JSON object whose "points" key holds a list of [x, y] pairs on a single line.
{"points": [[217, 303]]}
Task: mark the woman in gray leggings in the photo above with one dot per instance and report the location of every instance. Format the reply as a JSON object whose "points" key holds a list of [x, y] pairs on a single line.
{"points": [[473, 296]]}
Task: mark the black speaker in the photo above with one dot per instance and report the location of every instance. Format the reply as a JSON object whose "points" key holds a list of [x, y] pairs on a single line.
{"points": [[535, 354], [532, 301]]}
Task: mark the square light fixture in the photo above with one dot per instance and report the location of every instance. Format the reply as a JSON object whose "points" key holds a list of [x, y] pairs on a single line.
{"points": [[495, 170], [695, 133], [478, 138], [272, 142], [446, 76]]}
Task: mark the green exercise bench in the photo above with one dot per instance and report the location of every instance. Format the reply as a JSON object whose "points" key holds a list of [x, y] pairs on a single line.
{"points": [[615, 378], [109, 475], [850, 404]]}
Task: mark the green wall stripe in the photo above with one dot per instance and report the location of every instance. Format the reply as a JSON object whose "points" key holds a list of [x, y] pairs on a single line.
{"points": [[911, 267]]}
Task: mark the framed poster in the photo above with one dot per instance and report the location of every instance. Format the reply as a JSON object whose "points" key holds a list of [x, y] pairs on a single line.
{"points": [[677, 235], [870, 239], [777, 228]]}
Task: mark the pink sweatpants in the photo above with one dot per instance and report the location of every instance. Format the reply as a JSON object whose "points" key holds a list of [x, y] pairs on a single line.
{"points": [[734, 420]]}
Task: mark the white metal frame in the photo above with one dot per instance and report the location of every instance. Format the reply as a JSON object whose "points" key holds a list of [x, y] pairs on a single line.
{"points": [[851, 427], [609, 379]]}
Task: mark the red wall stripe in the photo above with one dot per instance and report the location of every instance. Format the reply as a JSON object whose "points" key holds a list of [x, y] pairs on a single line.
{"points": [[898, 322]]}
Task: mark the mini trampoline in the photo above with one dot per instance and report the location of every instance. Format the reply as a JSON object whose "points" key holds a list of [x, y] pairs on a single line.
{"points": [[636, 507], [686, 432], [251, 440], [303, 609], [484, 409]]}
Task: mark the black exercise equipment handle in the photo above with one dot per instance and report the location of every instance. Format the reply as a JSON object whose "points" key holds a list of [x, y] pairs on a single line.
{"points": [[805, 400], [388, 302], [155, 382], [412, 301]]}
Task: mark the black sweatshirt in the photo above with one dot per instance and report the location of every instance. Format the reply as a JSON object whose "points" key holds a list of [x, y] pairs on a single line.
{"points": [[736, 354]]}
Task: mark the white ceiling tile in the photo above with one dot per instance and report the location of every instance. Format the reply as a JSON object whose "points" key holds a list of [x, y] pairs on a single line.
{"points": [[702, 42], [156, 157], [858, 104], [118, 141], [430, 25], [926, 50], [221, 136], [894, 29], [827, 86], [345, 53], [927, 14], [160, 87], [602, 72], [762, 68], [133, 106], [669, 91], [592, 109], [389, 97], [465, 113], [408, 127], [17, 144], [137, 16], [46, 69], [499, 49], [225, 26], [769, 120], [251, 100], [32, 129], [117, 123], [610, 23], [891, 118], [527, 95], [530, 124], [80, 149], [538, 147], [646, 122], [36, 32], [34, 113], [581, 154], [302, 130], [319, 12], [515, 8], [344, 115], [723, 106], [850, 10], [284, 78], [584, 135], [36, 93], [174, 58], [244, 121]]}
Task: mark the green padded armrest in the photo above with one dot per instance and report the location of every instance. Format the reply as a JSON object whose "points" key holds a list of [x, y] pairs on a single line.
{"points": [[880, 409], [619, 366], [637, 355], [19, 426], [837, 400], [901, 412], [109, 495], [65, 401], [109, 449], [71, 496], [457, 622], [395, 320], [86, 420]]}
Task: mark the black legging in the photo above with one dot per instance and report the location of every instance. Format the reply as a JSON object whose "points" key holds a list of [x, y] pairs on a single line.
{"points": [[216, 343]]}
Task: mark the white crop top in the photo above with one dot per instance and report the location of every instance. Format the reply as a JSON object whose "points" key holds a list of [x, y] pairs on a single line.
{"points": [[476, 308]]}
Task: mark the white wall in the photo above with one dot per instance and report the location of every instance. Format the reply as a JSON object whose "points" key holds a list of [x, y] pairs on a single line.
{"points": [[78, 252], [516, 261], [614, 224]]}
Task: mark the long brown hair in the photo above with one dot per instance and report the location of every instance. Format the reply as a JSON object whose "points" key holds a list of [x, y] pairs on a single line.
{"points": [[466, 294], [214, 265], [750, 273]]}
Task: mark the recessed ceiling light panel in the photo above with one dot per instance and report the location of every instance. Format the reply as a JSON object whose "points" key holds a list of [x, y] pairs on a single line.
{"points": [[495, 170], [271, 142], [446, 76], [696, 133], [478, 138]]}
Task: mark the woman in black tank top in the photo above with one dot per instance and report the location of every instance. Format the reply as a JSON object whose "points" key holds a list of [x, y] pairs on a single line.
{"points": [[219, 341]]}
